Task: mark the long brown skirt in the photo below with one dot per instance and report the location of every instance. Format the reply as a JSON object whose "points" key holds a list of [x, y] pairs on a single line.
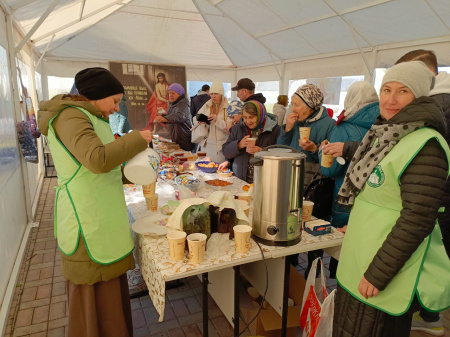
{"points": [[100, 310]]}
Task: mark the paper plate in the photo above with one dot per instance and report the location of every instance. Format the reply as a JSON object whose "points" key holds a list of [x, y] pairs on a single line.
{"points": [[152, 225]]}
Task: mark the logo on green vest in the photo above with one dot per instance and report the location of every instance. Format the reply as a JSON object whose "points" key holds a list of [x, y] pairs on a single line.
{"points": [[376, 178]]}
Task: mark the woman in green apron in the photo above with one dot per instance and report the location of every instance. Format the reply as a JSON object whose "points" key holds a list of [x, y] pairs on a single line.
{"points": [[393, 257], [91, 221]]}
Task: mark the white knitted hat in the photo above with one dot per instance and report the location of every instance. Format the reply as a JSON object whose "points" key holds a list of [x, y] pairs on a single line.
{"points": [[414, 74], [216, 87]]}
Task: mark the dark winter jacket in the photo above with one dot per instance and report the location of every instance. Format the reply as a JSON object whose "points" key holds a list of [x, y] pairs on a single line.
{"points": [[198, 101], [321, 126], [441, 93], [256, 97], [240, 157], [353, 129], [179, 121], [421, 189]]}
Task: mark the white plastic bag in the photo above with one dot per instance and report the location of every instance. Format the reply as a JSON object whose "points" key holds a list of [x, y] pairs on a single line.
{"points": [[325, 327], [313, 299]]}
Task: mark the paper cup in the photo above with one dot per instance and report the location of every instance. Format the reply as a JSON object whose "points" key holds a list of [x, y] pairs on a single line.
{"points": [[307, 210], [327, 160], [242, 235], [177, 242], [252, 141], [304, 133], [143, 167], [197, 247], [246, 197], [149, 190], [152, 203]]}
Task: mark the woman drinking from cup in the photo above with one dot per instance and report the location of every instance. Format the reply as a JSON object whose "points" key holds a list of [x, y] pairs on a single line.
{"points": [[258, 130], [91, 219], [309, 115], [393, 257]]}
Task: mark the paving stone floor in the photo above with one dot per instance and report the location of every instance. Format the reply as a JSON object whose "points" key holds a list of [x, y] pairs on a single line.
{"points": [[40, 302]]}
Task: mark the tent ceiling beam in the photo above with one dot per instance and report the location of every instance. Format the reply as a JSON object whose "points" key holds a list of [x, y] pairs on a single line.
{"points": [[80, 16], [354, 32], [320, 18], [437, 15], [351, 26], [171, 10], [39, 38], [45, 50], [21, 4], [120, 2], [37, 25], [165, 16], [245, 30]]}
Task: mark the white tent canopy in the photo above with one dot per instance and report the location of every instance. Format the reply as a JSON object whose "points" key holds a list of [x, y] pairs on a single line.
{"points": [[229, 33]]}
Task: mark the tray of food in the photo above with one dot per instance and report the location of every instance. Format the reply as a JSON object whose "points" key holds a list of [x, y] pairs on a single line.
{"points": [[218, 182]]}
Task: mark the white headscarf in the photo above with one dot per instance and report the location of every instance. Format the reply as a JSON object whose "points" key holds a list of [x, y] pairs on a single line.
{"points": [[358, 96]]}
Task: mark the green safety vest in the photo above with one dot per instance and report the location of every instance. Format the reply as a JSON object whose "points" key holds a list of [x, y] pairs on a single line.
{"points": [[90, 204], [374, 213]]}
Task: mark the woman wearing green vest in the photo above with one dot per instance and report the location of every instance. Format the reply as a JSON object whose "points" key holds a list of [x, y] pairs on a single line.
{"points": [[91, 222], [392, 257]]}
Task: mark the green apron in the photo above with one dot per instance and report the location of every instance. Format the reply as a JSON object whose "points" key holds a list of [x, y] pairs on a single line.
{"points": [[93, 204], [375, 212]]}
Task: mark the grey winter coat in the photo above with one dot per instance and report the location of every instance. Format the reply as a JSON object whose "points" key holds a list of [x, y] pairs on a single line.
{"points": [[240, 157], [179, 121]]}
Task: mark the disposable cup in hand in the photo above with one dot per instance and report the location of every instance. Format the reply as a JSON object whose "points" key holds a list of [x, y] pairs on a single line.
{"points": [[242, 235], [307, 210], [197, 247], [304, 133], [177, 242], [252, 141], [327, 160]]}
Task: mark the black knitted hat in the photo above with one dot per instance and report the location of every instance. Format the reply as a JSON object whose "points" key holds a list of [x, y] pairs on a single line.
{"points": [[97, 83]]}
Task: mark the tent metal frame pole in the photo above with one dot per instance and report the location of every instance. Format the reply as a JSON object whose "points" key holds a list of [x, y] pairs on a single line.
{"points": [[45, 50], [57, 30], [37, 25], [21, 4], [355, 37], [83, 3], [86, 28]]}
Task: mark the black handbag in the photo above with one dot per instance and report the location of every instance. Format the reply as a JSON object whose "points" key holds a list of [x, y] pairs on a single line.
{"points": [[320, 191]]}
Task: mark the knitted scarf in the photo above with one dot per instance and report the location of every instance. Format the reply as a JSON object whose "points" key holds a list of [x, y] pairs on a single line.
{"points": [[376, 144]]}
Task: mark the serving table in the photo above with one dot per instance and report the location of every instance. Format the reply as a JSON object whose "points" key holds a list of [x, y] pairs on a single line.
{"points": [[152, 255]]}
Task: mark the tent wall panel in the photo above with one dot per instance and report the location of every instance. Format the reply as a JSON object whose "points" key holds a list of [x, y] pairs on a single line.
{"points": [[68, 68], [12, 196], [208, 75]]}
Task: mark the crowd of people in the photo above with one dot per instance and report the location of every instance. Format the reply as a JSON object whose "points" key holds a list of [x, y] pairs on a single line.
{"points": [[391, 194]]}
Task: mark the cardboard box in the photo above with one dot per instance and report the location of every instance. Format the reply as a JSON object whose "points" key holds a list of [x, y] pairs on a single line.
{"points": [[268, 322]]}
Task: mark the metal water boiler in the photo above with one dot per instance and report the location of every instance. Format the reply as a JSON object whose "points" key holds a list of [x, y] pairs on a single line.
{"points": [[278, 195]]}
